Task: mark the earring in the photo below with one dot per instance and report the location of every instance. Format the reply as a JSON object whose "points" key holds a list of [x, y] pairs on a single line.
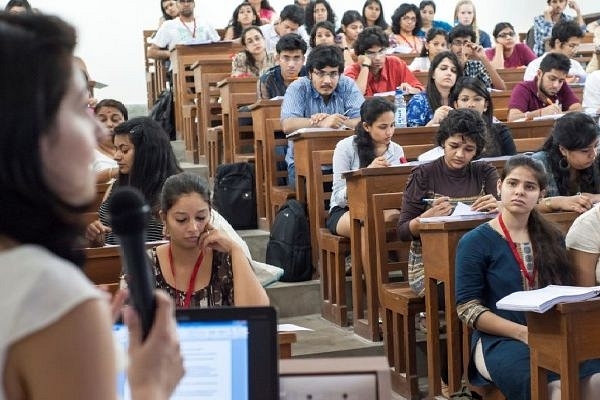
{"points": [[563, 164]]}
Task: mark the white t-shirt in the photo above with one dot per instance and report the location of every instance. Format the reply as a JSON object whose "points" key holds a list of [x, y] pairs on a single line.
{"points": [[532, 68], [102, 161], [38, 288], [175, 31], [591, 91], [584, 235]]}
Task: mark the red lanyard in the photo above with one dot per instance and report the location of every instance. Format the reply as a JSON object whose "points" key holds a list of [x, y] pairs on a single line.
{"points": [[412, 46], [193, 33], [530, 277], [190, 290]]}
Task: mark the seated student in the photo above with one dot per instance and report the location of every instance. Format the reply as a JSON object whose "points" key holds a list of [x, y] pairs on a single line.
{"points": [[185, 29], [451, 178], [583, 245], [371, 146], [431, 106], [427, 9], [565, 39], [169, 10], [289, 67], [243, 17], [372, 13], [351, 25], [18, 7], [264, 10], [465, 15], [507, 51], [254, 59], [471, 93], [375, 72], [406, 24], [472, 57], [570, 156], [110, 113], [323, 32], [318, 11], [547, 94], [290, 20], [594, 64], [201, 266], [591, 93], [145, 158], [518, 250], [553, 14], [325, 98], [436, 41]]}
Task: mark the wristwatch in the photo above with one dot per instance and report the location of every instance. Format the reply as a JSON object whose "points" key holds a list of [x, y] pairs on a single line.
{"points": [[365, 65]]}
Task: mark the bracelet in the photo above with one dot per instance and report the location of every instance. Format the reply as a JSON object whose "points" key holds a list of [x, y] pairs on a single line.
{"points": [[547, 203], [365, 65]]}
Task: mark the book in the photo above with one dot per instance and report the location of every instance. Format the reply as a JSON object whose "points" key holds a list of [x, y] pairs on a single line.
{"points": [[541, 300], [462, 212]]}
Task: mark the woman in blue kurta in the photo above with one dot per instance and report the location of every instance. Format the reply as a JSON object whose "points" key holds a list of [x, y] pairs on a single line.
{"points": [[518, 250]]}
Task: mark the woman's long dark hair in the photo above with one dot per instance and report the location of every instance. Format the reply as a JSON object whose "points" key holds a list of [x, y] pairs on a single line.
{"points": [[433, 94], [250, 61], [573, 131], [370, 110], [153, 161], [549, 252], [381, 20], [235, 24], [493, 147], [36, 64], [309, 14], [431, 34]]}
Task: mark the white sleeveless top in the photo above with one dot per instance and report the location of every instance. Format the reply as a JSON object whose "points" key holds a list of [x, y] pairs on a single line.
{"points": [[37, 289]]}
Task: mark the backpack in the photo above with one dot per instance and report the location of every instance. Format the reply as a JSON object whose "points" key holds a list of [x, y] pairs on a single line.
{"points": [[234, 194], [163, 112], [289, 243]]}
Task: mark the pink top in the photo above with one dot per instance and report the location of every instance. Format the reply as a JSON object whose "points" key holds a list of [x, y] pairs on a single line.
{"points": [[266, 14], [521, 56]]}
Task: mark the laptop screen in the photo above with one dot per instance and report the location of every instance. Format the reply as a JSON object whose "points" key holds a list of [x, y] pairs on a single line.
{"points": [[229, 353]]}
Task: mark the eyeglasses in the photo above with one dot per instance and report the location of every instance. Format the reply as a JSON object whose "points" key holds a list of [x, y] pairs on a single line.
{"points": [[410, 19], [458, 43], [323, 74], [372, 54], [507, 35]]}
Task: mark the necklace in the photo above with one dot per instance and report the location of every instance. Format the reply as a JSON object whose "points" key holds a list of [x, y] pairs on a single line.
{"points": [[190, 289], [513, 247], [192, 32]]}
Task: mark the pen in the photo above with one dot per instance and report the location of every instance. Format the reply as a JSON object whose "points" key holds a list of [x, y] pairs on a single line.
{"points": [[427, 201], [347, 111]]}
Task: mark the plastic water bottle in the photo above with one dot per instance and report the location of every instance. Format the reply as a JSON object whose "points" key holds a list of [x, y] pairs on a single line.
{"points": [[400, 109]]}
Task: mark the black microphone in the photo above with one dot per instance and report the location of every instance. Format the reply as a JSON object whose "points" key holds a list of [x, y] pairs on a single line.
{"points": [[129, 219]]}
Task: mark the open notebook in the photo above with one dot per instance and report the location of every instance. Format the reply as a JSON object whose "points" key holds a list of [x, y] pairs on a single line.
{"points": [[541, 300], [229, 353]]}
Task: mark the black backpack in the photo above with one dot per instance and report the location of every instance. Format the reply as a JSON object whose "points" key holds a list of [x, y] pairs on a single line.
{"points": [[234, 196], [289, 243], [163, 112]]}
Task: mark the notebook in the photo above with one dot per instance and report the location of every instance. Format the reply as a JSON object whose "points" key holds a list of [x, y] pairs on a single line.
{"points": [[541, 300], [229, 353]]}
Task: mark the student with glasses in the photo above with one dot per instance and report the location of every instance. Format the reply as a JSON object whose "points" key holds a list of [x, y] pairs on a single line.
{"points": [[324, 99], [552, 15], [374, 72], [508, 52], [566, 37], [406, 24]]}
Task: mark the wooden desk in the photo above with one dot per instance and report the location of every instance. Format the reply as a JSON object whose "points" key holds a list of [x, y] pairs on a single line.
{"points": [[511, 74], [361, 185], [559, 340], [285, 340], [439, 241], [231, 89], [182, 57], [262, 111], [530, 129], [207, 73]]}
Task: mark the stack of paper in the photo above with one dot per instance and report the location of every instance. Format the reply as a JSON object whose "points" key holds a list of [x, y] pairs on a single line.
{"points": [[541, 300], [461, 212]]}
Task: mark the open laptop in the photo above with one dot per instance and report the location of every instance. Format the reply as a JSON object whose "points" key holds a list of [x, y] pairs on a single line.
{"points": [[230, 353]]}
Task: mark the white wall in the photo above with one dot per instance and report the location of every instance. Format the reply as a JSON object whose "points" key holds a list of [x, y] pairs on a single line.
{"points": [[110, 31]]}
